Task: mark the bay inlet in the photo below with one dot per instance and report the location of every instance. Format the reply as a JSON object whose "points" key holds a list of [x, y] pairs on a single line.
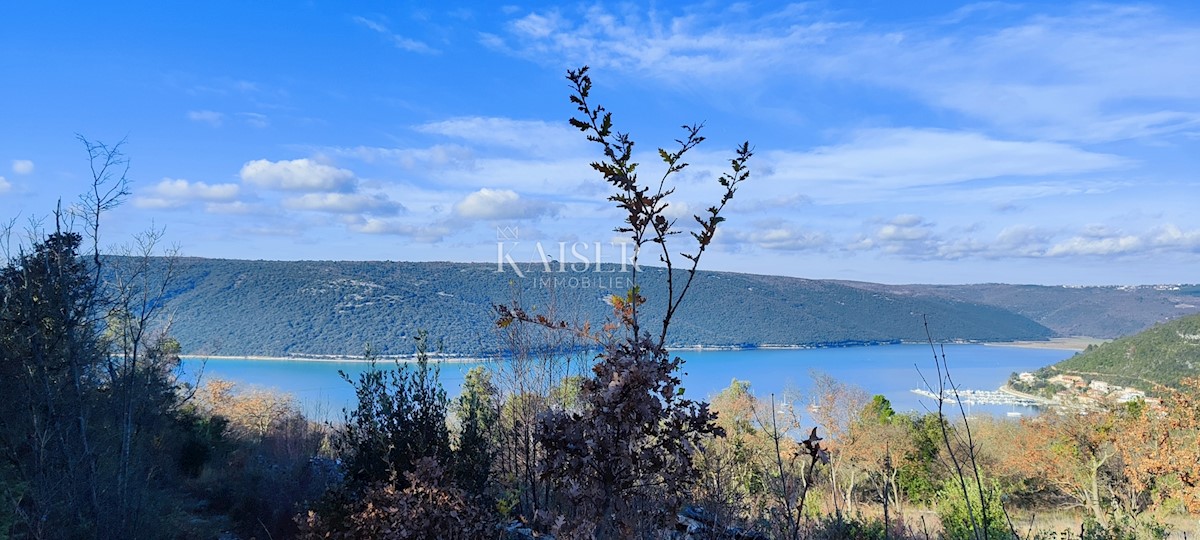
{"points": [[891, 370]]}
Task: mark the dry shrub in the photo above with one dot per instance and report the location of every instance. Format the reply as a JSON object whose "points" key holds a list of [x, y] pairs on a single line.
{"points": [[428, 508]]}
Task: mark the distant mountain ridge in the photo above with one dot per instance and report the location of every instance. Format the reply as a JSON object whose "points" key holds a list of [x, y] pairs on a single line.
{"points": [[280, 308], [1099, 312], [1161, 355]]}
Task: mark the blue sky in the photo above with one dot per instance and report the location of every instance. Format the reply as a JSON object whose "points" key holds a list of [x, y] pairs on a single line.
{"points": [[941, 143]]}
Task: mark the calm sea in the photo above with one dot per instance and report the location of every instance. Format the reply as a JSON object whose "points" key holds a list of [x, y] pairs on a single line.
{"points": [[891, 370]]}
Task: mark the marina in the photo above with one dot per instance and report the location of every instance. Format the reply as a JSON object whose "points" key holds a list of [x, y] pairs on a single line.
{"points": [[980, 397]]}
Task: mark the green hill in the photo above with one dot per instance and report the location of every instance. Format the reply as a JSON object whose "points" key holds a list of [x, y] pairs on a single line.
{"points": [[237, 307], [1164, 355]]}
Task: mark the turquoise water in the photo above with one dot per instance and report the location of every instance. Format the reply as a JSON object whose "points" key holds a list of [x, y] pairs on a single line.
{"points": [[890, 370]]}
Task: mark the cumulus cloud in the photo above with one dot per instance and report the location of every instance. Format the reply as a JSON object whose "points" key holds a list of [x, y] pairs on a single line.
{"points": [[914, 237], [211, 118], [22, 166], [178, 188], [424, 232], [905, 228], [501, 204], [176, 192], [906, 234], [778, 235], [298, 175], [345, 203], [1090, 245], [1171, 235]]}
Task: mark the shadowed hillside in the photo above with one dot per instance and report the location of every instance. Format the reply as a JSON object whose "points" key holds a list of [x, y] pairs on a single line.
{"points": [[235, 307], [1101, 312]]}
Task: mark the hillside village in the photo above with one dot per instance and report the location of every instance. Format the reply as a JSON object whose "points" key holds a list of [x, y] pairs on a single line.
{"points": [[1075, 392]]}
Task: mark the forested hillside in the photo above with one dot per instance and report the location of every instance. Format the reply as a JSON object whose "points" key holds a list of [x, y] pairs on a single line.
{"points": [[1101, 312], [236, 307], [1164, 354]]}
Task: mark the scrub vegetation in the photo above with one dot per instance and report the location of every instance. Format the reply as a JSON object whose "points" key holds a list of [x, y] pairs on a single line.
{"points": [[581, 429]]}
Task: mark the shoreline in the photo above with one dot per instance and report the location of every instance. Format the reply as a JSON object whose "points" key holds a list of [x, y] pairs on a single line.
{"points": [[409, 359], [1074, 343]]}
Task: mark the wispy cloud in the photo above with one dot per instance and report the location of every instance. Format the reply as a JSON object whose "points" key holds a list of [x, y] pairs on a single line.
{"points": [[257, 120], [696, 44], [22, 166], [212, 118], [876, 163], [345, 203], [531, 137], [397, 40], [438, 155], [1093, 73]]}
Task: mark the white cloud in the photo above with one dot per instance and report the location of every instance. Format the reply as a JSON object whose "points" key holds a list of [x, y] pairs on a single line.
{"points": [[155, 203], [906, 156], [1096, 73], [1085, 245], [22, 166], [1171, 236], [231, 207], [257, 120], [532, 137], [345, 203], [876, 162], [1088, 73], [298, 175], [1103, 241], [177, 192], [904, 228], [425, 232], [689, 47], [784, 236], [5, 185], [439, 155], [400, 42], [211, 118], [178, 188], [913, 237], [500, 204]]}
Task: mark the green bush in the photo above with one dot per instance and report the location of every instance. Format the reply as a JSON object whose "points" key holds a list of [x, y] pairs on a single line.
{"points": [[957, 523]]}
